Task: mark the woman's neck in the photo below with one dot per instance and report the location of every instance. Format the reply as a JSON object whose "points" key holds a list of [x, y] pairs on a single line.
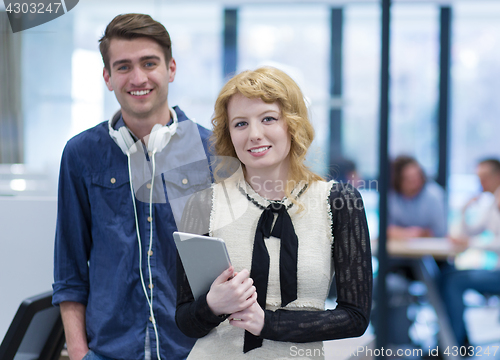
{"points": [[270, 184]]}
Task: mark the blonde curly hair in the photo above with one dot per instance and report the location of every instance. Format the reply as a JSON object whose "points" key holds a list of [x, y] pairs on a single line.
{"points": [[271, 85]]}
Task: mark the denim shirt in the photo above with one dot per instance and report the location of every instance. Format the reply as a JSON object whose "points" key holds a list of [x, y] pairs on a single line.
{"points": [[96, 259]]}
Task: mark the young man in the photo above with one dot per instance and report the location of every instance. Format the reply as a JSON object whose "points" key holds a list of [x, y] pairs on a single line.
{"points": [[488, 172], [484, 281], [121, 188]]}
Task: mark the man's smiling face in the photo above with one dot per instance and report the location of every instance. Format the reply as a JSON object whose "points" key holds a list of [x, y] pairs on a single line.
{"points": [[139, 76]]}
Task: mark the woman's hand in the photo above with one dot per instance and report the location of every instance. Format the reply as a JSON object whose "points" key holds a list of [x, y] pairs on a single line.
{"points": [[417, 232], [231, 292], [251, 319]]}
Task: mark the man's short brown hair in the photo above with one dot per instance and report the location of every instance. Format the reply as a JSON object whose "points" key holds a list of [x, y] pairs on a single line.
{"points": [[493, 163], [133, 26]]}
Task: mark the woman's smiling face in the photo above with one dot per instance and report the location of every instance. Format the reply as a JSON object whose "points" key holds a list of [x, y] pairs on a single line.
{"points": [[259, 134]]}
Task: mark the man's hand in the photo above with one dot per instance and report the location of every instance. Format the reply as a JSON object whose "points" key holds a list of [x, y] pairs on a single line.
{"points": [[231, 292], [250, 319], [469, 203], [461, 242]]}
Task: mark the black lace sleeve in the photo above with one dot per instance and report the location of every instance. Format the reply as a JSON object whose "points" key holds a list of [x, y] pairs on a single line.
{"points": [[194, 317], [352, 257]]}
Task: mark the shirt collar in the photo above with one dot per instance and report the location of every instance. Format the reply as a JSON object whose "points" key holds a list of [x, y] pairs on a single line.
{"points": [[120, 122]]}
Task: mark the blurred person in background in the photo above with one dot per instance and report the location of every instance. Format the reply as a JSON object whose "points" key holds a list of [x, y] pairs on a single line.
{"points": [[416, 209], [416, 205], [455, 283], [488, 172], [345, 171]]}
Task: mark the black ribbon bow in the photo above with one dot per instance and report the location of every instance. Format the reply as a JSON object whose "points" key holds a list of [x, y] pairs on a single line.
{"points": [[283, 229]]}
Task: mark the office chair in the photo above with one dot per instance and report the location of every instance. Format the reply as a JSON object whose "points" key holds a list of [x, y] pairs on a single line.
{"points": [[36, 332]]}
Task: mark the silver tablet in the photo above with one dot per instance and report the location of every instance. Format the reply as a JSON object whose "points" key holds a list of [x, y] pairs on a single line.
{"points": [[204, 258]]}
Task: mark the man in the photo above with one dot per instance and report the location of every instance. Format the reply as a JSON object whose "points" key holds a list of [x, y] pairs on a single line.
{"points": [[416, 205], [115, 258], [483, 281], [488, 172]]}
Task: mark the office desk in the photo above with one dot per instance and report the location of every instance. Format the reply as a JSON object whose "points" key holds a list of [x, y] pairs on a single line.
{"points": [[425, 251], [438, 248]]}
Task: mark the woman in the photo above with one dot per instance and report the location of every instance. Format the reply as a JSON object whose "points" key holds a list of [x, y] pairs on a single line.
{"points": [[275, 309], [416, 205]]}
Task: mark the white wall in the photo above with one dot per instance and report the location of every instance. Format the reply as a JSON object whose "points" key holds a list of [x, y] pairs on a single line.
{"points": [[27, 228]]}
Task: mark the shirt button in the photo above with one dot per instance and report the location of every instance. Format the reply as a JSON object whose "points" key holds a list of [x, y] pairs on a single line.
{"points": [[113, 180], [184, 181], [150, 252], [150, 218], [150, 154], [150, 319], [148, 186], [150, 286]]}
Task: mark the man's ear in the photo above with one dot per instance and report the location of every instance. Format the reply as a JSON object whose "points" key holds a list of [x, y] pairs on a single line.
{"points": [[107, 77], [172, 67]]}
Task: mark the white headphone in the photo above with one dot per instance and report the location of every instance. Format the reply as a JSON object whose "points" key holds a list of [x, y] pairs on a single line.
{"points": [[158, 138]]}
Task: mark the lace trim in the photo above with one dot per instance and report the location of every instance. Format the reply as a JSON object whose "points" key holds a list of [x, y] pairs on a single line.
{"points": [[263, 207], [299, 304], [330, 214], [212, 212]]}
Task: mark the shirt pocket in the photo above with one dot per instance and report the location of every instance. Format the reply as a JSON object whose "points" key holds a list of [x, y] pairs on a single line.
{"points": [[110, 194], [186, 180]]}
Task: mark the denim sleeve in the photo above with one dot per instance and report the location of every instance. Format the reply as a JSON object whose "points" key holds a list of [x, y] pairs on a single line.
{"points": [[73, 236]]}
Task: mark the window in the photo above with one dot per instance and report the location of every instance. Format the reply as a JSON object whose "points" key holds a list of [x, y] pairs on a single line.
{"points": [[63, 89], [295, 39]]}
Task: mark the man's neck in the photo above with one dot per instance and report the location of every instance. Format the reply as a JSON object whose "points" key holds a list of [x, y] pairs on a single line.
{"points": [[142, 127]]}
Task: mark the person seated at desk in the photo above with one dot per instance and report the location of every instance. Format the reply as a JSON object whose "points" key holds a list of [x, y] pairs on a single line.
{"points": [[345, 171], [488, 172], [416, 205], [484, 281]]}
